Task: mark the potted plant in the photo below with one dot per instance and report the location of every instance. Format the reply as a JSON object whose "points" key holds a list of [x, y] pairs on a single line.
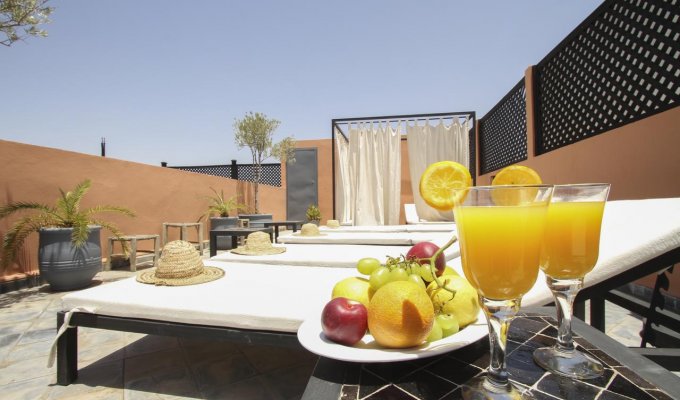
{"points": [[69, 247], [255, 131], [219, 211], [313, 214]]}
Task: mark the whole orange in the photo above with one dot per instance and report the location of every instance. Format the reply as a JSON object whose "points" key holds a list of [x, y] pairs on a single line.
{"points": [[400, 315]]}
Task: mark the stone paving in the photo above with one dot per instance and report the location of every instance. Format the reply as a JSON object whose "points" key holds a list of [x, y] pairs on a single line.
{"points": [[119, 365]]}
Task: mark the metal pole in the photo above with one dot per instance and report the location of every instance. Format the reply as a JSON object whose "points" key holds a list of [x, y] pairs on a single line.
{"points": [[103, 147]]}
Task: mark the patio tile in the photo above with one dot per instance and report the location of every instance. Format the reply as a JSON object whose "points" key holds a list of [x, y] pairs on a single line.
{"points": [[163, 384], [144, 365], [37, 388], [225, 370], [150, 344], [30, 350], [197, 350], [254, 388], [290, 383], [25, 369], [268, 358], [98, 381]]}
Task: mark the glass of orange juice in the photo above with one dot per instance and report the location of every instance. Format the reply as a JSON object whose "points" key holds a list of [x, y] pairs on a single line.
{"points": [[501, 231], [572, 246]]}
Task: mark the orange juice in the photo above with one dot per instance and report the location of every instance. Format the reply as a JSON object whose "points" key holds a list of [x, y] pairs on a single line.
{"points": [[501, 247], [572, 240]]}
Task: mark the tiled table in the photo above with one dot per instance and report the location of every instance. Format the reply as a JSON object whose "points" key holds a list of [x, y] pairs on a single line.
{"points": [[234, 233], [288, 224], [440, 377]]}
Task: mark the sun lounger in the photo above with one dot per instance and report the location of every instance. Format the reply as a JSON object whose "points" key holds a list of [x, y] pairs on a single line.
{"points": [[443, 227]]}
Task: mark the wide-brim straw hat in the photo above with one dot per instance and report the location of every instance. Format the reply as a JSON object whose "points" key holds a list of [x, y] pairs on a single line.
{"points": [[258, 244], [333, 223], [180, 264], [310, 230]]}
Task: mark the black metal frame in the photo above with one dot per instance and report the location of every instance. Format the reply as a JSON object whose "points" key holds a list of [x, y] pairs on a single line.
{"points": [[471, 115], [67, 344], [598, 293]]}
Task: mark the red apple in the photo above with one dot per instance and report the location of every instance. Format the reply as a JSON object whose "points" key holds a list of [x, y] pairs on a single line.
{"points": [[425, 250], [344, 321]]}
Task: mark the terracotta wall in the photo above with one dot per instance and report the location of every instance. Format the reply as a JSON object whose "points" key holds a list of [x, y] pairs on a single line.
{"points": [[156, 194]]}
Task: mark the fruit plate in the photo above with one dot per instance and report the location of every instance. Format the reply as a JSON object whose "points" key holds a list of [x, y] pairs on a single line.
{"points": [[312, 338]]}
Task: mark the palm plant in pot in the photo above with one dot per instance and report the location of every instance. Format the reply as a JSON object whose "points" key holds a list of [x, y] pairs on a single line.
{"points": [[219, 212], [69, 249]]}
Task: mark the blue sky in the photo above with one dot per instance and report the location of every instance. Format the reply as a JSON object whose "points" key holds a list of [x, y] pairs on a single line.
{"points": [[164, 80]]}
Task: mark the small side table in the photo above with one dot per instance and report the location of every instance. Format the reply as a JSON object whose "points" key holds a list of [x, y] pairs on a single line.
{"points": [[135, 255], [234, 233], [288, 224], [183, 232]]}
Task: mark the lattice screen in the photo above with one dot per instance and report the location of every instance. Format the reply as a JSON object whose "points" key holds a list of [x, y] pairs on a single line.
{"points": [[503, 132], [271, 173], [620, 66]]}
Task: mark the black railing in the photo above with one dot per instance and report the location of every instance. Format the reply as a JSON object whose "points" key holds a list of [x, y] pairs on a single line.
{"points": [[620, 65], [270, 174], [503, 132]]}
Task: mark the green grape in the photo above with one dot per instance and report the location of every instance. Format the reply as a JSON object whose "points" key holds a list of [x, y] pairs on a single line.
{"points": [[398, 274], [436, 333], [379, 277], [449, 332], [426, 273], [447, 321], [367, 265], [417, 280]]}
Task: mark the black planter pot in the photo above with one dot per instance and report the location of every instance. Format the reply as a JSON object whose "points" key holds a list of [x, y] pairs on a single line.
{"points": [[64, 266], [217, 223], [257, 220]]}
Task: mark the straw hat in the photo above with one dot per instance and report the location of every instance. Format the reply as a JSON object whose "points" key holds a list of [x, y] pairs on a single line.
{"points": [[310, 230], [258, 244], [333, 223], [179, 265]]}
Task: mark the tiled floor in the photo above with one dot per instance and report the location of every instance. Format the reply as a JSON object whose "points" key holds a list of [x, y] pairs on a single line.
{"points": [[117, 365]]}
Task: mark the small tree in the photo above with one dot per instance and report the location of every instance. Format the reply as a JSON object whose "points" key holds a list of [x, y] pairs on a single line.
{"points": [[255, 131], [24, 14]]}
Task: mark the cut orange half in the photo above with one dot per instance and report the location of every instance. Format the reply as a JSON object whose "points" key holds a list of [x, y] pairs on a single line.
{"points": [[515, 175], [441, 182]]}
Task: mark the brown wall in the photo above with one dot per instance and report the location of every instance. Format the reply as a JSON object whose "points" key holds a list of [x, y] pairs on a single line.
{"points": [[156, 194]]}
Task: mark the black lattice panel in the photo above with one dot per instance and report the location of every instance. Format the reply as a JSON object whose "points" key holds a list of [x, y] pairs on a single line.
{"points": [[622, 65], [271, 173], [472, 147], [503, 132]]}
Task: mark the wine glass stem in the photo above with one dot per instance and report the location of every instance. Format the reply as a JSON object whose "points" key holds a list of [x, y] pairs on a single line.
{"points": [[564, 291], [499, 314]]}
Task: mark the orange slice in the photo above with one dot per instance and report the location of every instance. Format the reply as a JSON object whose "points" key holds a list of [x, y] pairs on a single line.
{"points": [[515, 175], [441, 182]]}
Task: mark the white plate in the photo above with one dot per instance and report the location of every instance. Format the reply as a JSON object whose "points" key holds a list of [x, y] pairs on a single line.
{"points": [[367, 350]]}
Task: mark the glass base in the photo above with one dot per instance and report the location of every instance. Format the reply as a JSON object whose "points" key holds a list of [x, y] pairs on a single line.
{"points": [[573, 364], [481, 388]]}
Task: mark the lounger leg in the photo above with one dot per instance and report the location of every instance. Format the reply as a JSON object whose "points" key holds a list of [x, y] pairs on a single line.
{"points": [[67, 354]]}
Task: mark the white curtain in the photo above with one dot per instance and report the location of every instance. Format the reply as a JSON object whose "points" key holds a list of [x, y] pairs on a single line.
{"points": [[371, 186], [428, 144], [343, 189]]}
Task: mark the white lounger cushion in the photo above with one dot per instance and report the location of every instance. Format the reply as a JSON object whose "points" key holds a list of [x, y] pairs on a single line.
{"points": [[330, 255], [442, 227], [249, 296], [377, 238]]}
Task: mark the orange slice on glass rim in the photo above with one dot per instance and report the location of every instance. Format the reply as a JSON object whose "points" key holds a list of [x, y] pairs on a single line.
{"points": [[515, 175], [441, 184]]}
